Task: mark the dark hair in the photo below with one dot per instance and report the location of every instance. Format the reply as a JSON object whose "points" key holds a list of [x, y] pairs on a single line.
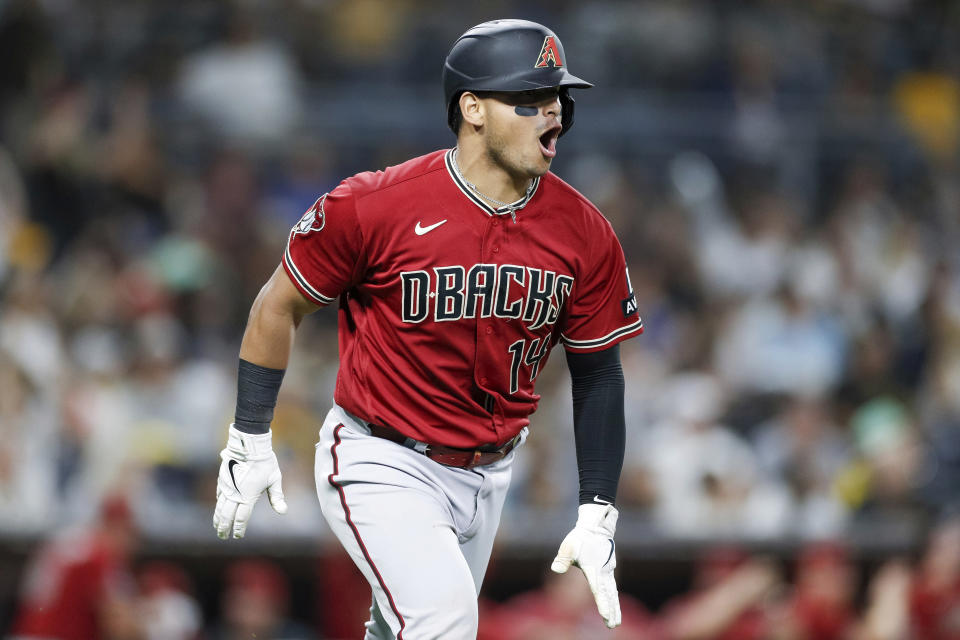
{"points": [[454, 115], [455, 118]]}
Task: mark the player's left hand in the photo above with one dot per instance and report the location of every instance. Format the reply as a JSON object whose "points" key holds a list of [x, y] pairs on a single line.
{"points": [[590, 546], [248, 468]]}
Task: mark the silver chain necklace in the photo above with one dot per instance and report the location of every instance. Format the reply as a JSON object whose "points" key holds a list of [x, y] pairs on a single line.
{"points": [[508, 205]]}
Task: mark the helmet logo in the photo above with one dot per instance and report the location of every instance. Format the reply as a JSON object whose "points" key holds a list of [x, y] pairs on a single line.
{"points": [[549, 54]]}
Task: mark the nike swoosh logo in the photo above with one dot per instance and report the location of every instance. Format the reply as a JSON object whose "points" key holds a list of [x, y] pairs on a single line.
{"points": [[611, 553], [230, 466], [422, 230], [599, 500]]}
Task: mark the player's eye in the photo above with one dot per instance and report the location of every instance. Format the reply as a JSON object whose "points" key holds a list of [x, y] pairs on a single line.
{"points": [[532, 98]]}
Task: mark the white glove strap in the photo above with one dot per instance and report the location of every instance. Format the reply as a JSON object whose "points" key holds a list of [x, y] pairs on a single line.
{"points": [[249, 446], [598, 518]]}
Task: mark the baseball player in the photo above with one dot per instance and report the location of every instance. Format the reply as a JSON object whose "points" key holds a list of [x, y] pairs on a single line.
{"points": [[455, 274]]}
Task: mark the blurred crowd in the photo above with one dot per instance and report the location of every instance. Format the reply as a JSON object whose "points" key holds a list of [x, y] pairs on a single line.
{"points": [[783, 175], [735, 596], [83, 584]]}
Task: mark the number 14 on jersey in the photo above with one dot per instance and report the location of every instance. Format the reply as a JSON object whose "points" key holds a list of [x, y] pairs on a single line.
{"points": [[532, 356]]}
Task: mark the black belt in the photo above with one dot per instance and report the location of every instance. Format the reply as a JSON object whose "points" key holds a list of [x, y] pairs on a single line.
{"points": [[448, 456]]}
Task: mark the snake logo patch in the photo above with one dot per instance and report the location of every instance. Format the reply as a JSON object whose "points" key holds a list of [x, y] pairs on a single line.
{"points": [[313, 219]]}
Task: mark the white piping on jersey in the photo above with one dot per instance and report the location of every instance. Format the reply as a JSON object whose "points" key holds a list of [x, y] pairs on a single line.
{"points": [[307, 287], [461, 183], [599, 342]]}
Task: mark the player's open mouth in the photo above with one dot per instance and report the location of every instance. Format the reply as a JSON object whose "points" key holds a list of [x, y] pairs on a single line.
{"points": [[548, 141]]}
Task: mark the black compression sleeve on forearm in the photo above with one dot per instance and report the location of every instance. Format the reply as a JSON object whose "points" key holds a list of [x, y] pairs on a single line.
{"points": [[599, 426], [257, 389]]}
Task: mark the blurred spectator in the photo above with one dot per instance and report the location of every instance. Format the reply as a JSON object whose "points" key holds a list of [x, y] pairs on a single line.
{"points": [[745, 254], [886, 478], [28, 450], [934, 598], [256, 603], [929, 103], [706, 478], [781, 344], [802, 446], [343, 595], [17, 248], [822, 605], [563, 609], [30, 331], [167, 608], [79, 585], [728, 600], [59, 165], [938, 402], [246, 87], [886, 615]]}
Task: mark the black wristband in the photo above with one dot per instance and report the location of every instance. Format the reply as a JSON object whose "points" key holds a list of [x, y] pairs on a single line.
{"points": [[598, 422], [257, 390]]}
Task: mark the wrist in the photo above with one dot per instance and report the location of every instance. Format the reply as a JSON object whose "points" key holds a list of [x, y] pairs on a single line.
{"points": [[249, 446], [257, 390], [596, 497], [598, 518]]}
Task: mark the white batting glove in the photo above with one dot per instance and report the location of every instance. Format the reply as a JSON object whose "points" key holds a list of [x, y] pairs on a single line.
{"points": [[248, 469], [590, 546]]}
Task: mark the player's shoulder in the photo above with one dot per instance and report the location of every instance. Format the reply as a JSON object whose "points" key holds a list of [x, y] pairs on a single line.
{"points": [[408, 174], [575, 206]]}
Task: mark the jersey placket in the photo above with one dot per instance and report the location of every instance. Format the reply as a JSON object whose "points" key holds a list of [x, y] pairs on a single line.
{"points": [[490, 362]]}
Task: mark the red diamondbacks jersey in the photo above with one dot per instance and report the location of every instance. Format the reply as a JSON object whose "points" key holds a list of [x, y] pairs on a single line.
{"points": [[449, 308]]}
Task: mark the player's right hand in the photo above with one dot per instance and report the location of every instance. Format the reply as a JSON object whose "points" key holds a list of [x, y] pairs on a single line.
{"points": [[590, 546], [248, 468]]}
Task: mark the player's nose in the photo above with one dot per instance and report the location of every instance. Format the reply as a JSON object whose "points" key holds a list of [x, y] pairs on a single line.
{"points": [[552, 108]]}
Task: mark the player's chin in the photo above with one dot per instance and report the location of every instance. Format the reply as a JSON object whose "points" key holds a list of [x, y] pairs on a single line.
{"points": [[539, 167]]}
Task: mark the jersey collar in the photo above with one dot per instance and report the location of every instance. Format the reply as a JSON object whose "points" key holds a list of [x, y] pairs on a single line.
{"points": [[477, 200]]}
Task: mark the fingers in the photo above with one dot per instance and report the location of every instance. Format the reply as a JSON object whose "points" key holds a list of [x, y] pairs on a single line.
{"points": [[596, 557], [597, 563], [239, 486], [563, 560], [223, 516], [560, 565], [241, 518], [604, 588], [275, 495], [612, 599], [596, 588]]}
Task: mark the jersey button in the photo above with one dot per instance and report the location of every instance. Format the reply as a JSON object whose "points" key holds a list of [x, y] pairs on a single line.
{"points": [[496, 222], [496, 249], [489, 330]]}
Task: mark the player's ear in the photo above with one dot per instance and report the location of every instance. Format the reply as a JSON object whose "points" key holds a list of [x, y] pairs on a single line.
{"points": [[472, 109]]}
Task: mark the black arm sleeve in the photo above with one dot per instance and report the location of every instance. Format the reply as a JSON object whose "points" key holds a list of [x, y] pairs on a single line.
{"points": [[257, 390], [598, 421]]}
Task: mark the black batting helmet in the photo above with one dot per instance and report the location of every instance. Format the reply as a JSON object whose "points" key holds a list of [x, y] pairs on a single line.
{"points": [[508, 55]]}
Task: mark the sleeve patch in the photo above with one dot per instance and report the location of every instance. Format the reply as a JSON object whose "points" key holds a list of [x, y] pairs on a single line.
{"points": [[313, 219], [629, 305]]}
